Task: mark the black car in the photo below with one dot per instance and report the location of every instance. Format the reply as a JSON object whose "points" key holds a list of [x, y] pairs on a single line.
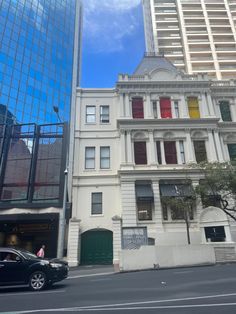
{"points": [[19, 267]]}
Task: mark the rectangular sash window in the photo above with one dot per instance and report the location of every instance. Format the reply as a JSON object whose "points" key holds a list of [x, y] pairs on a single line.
{"points": [[165, 107], [170, 152], [137, 108], [193, 108], [140, 153]]}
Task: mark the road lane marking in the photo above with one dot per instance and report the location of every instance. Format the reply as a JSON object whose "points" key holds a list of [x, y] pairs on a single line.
{"points": [[183, 272], [31, 293], [89, 275], [120, 306]]}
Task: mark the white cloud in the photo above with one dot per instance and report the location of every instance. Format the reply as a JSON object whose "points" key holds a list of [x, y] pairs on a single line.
{"points": [[114, 5], [108, 22]]}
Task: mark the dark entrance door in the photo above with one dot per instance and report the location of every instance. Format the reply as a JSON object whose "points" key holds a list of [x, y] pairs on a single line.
{"points": [[96, 247]]}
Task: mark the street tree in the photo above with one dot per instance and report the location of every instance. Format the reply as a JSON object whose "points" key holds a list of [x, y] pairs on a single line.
{"points": [[218, 186], [182, 204]]}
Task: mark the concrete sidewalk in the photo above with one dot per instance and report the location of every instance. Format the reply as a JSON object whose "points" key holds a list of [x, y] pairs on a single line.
{"points": [[90, 270]]}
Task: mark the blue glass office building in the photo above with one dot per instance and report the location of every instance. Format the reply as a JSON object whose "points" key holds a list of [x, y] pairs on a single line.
{"points": [[39, 66], [36, 59]]}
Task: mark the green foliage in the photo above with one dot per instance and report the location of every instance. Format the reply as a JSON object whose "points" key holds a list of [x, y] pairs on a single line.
{"points": [[218, 184]]}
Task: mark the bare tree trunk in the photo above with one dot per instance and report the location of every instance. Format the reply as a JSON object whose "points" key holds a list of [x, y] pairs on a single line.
{"points": [[187, 226]]}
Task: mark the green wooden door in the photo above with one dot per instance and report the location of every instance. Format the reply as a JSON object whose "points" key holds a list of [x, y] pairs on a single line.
{"points": [[96, 247]]}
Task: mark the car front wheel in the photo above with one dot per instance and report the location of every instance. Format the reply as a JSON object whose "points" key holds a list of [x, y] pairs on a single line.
{"points": [[37, 281]]}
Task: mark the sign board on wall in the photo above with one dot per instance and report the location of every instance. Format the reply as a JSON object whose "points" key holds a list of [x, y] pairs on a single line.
{"points": [[134, 237]]}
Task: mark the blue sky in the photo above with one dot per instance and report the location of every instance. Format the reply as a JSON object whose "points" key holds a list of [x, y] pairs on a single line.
{"points": [[113, 40]]}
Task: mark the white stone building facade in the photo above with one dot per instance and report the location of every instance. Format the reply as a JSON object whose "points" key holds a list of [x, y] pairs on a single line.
{"points": [[133, 144]]}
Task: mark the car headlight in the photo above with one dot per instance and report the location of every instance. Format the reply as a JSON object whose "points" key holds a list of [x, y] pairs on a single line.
{"points": [[55, 265]]}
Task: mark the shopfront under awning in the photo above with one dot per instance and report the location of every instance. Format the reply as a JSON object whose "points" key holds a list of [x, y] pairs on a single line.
{"points": [[144, 193]]}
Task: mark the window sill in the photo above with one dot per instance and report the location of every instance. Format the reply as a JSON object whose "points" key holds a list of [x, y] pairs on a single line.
{"points": [[96, 215], [146, 222], [90, 123], [178, 221]]}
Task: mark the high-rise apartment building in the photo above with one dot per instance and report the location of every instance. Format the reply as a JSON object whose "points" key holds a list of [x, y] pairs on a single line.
{"points": [[198, 36], [36, 58]]}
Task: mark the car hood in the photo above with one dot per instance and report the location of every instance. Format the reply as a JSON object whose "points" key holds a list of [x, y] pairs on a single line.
{"points": [[59, 261]]}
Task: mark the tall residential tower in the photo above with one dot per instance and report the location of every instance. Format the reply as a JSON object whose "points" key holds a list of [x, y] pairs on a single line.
{"points": [[198, 36]]}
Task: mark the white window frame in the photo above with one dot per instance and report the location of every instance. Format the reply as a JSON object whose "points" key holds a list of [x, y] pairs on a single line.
{"points": [[102, 115], [88, 158], [106, 159], [89, 115], [93, 203]]}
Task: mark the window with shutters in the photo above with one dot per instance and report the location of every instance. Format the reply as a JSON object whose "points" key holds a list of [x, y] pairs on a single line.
{"points": [[200, 151], [89, 157], [193, 107], [96, 206], [137, 108], [225, 110], [140, 153], [170, 152], [232, 151], [165, 107]]}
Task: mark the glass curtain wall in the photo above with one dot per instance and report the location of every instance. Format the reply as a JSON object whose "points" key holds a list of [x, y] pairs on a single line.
{"points": [[36, 60]]}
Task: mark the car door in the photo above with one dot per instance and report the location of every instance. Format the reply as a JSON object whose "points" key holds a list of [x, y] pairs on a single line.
{"points": [[12, 268]]}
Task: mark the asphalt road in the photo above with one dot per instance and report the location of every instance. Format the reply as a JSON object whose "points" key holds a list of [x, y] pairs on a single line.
{"points": [[195, 290]]}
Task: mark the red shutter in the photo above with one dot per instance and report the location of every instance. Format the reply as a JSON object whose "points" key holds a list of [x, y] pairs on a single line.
{"points": [[165, 107], [170, 152], [137, 108], [140, 154]]}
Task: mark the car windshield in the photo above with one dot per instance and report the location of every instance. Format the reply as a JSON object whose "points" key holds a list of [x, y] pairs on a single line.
{"points": [[28, 255]]}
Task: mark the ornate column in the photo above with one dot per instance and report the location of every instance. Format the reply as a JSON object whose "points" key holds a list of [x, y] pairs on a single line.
{"points": [[128, 112], [151, 146], [128, 200], [210, 104], [158, 109], [121, 102], [183, 107], [129, 148], [233, 110], [122, 147], [117, 241], [163, 157], [190, 156], [173, 109], [157, 205], [218, 146], [148, 111], [211, 152], [195, 183], [203, 106], [73, 242], [179, 159]]}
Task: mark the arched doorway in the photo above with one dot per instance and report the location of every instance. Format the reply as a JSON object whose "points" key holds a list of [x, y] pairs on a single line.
{"points": [[214, 225], [96, 247]]}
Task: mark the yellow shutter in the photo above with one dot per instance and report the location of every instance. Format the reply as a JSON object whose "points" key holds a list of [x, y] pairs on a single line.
{"points": [[193, 108]]}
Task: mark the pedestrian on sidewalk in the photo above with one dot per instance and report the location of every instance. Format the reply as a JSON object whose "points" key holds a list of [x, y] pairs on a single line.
{"points": [[41, 252]]}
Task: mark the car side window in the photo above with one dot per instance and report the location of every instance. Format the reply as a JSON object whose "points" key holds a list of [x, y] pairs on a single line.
{"points": [[8, 257]]}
